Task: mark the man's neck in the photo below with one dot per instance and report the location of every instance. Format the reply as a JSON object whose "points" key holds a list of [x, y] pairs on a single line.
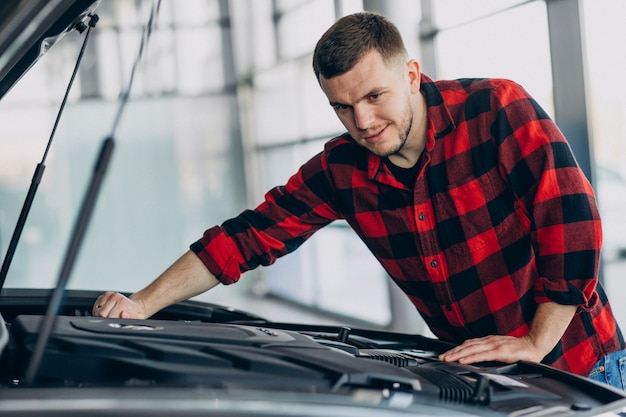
{"points": [[416, 140]]}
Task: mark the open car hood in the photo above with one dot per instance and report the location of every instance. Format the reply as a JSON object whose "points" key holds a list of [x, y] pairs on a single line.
{"points": [[28, 28], [198, 358]]}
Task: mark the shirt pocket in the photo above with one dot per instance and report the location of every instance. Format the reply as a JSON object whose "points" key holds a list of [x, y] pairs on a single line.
{"points": [[477, 213]]}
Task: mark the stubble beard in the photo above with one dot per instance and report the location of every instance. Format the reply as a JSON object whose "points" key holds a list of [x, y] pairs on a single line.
{"points": [[402, 137]]}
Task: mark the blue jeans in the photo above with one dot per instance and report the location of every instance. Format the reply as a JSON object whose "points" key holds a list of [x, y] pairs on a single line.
{"points": [[611, 370]]}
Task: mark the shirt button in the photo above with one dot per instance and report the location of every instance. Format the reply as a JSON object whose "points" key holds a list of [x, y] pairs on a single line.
{"points": [[422, 216], [433, 264]]}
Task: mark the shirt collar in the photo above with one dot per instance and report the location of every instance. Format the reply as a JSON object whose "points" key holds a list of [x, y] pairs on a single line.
{"points": [[440, 124], [439, 117]]}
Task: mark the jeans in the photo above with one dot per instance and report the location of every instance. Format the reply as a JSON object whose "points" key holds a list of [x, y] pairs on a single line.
{"points": [[611, 370]]}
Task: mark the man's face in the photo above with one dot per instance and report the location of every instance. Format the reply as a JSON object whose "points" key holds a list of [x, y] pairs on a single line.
{"points": [[374, 102]]}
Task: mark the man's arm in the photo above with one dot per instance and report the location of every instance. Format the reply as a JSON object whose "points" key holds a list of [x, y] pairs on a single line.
{"points": [[187, 277], [547, 328]]}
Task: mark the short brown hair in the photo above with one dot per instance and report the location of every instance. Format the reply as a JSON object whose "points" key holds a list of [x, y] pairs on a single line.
{"points": [[345, 42]]}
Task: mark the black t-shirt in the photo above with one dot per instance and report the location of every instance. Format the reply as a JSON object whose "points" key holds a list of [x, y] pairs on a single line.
{"points": [[406, 176]]}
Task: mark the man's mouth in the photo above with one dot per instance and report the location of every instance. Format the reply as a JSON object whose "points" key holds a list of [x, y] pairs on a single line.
{"points": [[372, 139]]}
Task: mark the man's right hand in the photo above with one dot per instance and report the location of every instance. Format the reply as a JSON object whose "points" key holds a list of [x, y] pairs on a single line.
{"points": [[116, 305]]}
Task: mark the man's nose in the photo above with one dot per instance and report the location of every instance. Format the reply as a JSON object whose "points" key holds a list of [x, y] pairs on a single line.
{"points": [[363, 116]]}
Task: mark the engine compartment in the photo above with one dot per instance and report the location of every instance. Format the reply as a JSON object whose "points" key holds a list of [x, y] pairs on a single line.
{"points": [[230, 351]]}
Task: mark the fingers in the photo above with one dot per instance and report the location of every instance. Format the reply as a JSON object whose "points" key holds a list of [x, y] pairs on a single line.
{"points": [[100, 305], [115, 305], [470, 351], [491, 348]]}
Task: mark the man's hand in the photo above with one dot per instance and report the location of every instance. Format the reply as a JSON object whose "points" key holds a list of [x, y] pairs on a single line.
{"points": [[507, 349], [548, 325], [115, 305]]}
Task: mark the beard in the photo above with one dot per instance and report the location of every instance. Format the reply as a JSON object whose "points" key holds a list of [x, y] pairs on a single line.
{"points": [[404, 129]]}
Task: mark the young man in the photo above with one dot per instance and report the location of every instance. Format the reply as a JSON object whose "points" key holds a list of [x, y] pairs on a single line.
{"points": [[465, 191]]}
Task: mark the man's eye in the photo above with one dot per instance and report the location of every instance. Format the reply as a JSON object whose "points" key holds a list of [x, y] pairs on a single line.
{"points": [[339, 107], [375, 96]]}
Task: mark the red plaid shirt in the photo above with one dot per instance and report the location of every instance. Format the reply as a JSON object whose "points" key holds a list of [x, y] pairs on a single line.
{"points": [[500, 219]]}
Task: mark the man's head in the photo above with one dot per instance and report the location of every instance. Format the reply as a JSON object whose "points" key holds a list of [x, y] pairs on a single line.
{"points": [[363, 69], [353, 36]]}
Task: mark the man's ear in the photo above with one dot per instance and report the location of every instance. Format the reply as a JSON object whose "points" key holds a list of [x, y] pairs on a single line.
{"points": [[413, 68]]}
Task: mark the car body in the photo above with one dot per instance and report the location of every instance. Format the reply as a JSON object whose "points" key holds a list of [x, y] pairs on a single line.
{"points": [[198, 358]]}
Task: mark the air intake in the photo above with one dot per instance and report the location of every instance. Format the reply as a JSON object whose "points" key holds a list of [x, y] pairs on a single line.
{"points": [[451, 387], [391, 357]]}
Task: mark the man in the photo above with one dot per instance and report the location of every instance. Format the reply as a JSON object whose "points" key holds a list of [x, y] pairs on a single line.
{"points": [[465, 191]]}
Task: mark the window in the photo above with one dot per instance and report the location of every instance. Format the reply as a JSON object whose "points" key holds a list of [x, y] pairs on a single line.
{"points": [[496, 45]]}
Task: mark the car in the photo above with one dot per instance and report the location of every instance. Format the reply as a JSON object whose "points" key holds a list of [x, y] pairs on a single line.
{"points": [[198, 358]]}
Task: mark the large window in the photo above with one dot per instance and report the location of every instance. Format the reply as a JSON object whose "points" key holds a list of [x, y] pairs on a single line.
{"points": [[495, 40], [175, 170]]}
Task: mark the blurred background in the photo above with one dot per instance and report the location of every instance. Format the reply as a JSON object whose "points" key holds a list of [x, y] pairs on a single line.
{"points": [[225, 106]]}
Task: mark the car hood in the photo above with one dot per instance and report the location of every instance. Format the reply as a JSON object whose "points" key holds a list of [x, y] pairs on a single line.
{"points": [[29, 28], [197, 358]]}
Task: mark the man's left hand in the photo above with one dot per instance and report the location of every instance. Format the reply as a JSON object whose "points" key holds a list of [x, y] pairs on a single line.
{"points": [[507, 349]]}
